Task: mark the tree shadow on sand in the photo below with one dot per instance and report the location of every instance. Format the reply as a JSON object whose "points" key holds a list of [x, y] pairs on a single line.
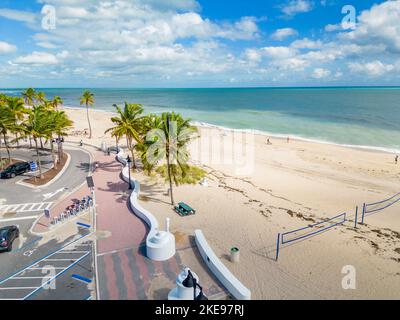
{"points": [[150, 193]]}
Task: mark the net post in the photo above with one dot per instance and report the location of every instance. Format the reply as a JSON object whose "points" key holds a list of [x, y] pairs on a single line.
{"points": [[278, 246], [363, 214], [356, 219]]}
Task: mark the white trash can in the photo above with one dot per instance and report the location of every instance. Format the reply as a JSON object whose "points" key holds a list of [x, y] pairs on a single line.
{"points": [[235, 255]]}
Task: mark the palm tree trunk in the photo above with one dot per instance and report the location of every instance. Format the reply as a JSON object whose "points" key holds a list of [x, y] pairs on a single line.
{"points": [[41, 143], [1, 159], [30, 142], [129, 143], [90, 126], [59, 145], [52, 154], [169, 177], [16, 139], [38, 158], [6, 144]]}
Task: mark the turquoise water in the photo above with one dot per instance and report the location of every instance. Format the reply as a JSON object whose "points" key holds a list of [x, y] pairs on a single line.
{"points": [[351, 116]]}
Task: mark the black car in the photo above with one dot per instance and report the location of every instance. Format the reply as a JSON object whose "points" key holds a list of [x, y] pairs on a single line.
{"points": [[16, 169], [7, 237]]}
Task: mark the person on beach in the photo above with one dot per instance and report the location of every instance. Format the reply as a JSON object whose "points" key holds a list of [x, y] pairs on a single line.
{"points": [[268, 142], [288, 140], [396, 159]]}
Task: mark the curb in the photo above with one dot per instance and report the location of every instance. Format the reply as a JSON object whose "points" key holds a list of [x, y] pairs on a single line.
{"points": [[60, 199], [58, 176]]}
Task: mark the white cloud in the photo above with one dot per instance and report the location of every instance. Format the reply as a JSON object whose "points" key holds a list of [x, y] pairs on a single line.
{"points": [[306, 44], [6, 48], [18, 15], [37, 58], [282, 34], [294, 7], [379, 25], [333, 27], [374, 68], [278, 52], [320, 73], [157, 40]]}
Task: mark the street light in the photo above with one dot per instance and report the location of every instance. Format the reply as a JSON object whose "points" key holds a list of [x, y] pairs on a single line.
{"points": [[129, 161], [116, 138], [191, 282]]}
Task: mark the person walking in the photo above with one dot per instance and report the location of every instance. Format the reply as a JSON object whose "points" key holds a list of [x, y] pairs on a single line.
{"points": [[396, 159]]}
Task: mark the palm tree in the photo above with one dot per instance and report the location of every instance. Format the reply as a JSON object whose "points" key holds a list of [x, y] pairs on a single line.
{"points": [[128, 123], [17, 109], [7, 124], [3, 98], [29, 96], [57, 101], [152, 133], [88, 100], [36, 126], [60, 125], [168, 140], [178, 133], [41, 98]]}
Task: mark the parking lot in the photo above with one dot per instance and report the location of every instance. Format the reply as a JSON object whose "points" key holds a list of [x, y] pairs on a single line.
{"points": [[50, 274], [21, 205]]}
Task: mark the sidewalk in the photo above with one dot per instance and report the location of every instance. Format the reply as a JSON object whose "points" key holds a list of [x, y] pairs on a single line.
{"points": [[125, 273]]}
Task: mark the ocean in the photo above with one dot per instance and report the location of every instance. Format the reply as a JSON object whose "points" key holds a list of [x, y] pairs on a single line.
{"points": [[364, 117]]}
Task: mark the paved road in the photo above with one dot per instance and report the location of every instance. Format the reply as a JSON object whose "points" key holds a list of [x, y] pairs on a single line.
{"points": [[50, 277], [30, 203], [76, 173]]}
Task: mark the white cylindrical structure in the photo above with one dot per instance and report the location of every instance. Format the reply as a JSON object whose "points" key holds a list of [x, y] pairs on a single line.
{"points": [[167, 223], [161, 246], [103, 146], [181, 292], [235, 255]]}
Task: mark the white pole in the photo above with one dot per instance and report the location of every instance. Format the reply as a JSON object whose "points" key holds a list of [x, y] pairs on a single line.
{"points": [[94, 227], [167, 224]]}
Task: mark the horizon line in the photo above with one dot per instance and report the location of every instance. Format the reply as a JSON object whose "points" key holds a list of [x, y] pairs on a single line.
{"points": [[239, 87]]}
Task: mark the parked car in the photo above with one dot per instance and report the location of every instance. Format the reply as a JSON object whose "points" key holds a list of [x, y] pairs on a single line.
{"points": [[15, 169], [7, 237]]}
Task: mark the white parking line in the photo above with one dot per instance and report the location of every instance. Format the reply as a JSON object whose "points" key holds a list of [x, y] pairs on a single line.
{"points": [[45, 268], [28, 272], [25, 207], [62, 259], [18, 219], [23, 278], [18, 288]]}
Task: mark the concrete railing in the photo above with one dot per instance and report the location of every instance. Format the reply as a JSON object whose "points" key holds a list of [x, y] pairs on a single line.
{"points": [[160, 245], [230, 282]]}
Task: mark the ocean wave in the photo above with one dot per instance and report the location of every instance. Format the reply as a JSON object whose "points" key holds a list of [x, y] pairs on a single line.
{"points": [[297, 137], [270, 134]]}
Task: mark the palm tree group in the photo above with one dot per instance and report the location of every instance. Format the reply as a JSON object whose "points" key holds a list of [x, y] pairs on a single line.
{"points": [[41, 120], [156, 138]]}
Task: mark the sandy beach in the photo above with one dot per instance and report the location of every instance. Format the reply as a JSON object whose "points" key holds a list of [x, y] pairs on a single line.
{"points": [[279, 187]]}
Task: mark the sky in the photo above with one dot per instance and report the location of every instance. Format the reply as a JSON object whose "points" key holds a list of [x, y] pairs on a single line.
{"points": [[199, 43]]}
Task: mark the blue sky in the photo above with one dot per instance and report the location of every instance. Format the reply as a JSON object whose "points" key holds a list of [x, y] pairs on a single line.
{"points": [[203, 43]]}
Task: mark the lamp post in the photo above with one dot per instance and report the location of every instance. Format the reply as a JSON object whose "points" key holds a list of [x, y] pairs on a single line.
{"points": [[191, 282], [129, 161]]}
